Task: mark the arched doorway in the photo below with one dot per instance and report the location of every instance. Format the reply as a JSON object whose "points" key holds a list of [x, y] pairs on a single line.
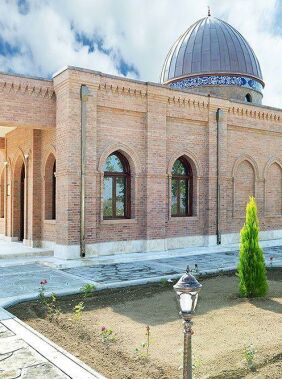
{"points": [[22, 205], [19, 200]]}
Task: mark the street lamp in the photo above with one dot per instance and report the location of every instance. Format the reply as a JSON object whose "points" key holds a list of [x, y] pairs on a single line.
{"points": [[187, 290]]}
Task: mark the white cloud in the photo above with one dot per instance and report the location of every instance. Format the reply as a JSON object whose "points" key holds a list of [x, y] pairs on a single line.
{"points": [[142, 31]]}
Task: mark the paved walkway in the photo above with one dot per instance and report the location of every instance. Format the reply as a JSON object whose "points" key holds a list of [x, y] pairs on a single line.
{"points": [[24, 353]]}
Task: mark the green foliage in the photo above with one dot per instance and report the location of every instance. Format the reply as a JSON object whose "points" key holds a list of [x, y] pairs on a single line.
{"points": [[143, 351], [164, 282], [249, 353], [77, 310], [53, 310], [88, 289], [41, 293], [251, 267], [107, 335]]}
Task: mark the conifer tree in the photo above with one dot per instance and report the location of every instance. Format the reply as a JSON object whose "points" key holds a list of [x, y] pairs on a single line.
{"points": [[251, 267]]}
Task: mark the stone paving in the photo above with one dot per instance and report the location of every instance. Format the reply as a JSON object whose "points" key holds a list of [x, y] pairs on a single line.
{"points": [[166, 267]]}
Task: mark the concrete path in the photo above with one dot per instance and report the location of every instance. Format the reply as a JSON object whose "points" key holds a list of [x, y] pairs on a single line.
{"points": [[24, 353]]}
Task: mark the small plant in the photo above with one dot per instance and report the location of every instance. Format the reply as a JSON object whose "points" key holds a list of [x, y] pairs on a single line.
{"points": [[143, 351], [53, 310], [41, 292], [196, 365], [77, 310], [88, 289], [249, 354], [251, 268], [107, 335], [165, 282]]}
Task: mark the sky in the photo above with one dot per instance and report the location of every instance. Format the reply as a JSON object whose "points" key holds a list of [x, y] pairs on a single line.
{"points": [[129, 37]]}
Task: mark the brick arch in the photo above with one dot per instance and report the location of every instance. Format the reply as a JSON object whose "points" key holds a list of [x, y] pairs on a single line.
{"points": [[50, 150], [244, 185], [249, 159], [18, 166], [191, 158], [130, 155], [269, 163], [273, 187]]}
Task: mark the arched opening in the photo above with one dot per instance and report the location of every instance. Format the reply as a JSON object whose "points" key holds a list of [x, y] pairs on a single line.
{"points": [[50, 188], [248, 98], [182, 188], [18, 205], [244, 186], [22, 204], [116, 195], [2, 194]]}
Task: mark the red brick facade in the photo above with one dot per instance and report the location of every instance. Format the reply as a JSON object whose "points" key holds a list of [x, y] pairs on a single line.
{"points": [[152, 126]]}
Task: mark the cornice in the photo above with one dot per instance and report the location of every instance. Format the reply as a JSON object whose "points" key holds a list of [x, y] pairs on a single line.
{"points": [[187, 102], [260, 114], [122, 90], [27, 89]]}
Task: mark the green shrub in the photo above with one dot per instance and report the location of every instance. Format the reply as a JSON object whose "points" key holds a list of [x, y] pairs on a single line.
{"points": [[88, 289], [251, 267]]}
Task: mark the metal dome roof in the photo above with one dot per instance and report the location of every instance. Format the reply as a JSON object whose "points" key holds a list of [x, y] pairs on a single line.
{"points": [[210, 46]]}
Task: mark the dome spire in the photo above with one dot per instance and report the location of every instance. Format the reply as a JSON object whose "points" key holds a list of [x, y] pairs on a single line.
{"points": [[209, 11]]}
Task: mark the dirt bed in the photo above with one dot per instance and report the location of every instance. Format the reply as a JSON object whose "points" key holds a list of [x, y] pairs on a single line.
{"points": [[223, 326]]}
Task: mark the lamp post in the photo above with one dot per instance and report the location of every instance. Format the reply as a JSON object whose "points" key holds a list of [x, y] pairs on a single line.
{"points": [[187, 290]]}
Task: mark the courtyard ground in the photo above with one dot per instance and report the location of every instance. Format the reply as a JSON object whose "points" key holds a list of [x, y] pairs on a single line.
{"points": [[224, 326]]}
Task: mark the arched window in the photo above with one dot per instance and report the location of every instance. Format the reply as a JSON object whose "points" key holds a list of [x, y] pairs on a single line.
{"points": [[50, 188], [116, 201], [248, 98], [181, 188]]}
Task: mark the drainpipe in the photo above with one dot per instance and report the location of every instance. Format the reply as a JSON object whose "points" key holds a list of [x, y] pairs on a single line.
{"points": [[84, 92], [218, 234]]}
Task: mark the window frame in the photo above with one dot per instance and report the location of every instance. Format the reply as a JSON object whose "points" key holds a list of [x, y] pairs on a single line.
{"points": [[188, 177], [127, 198]]}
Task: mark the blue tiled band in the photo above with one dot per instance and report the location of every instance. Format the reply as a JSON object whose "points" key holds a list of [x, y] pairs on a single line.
{"points": [[218, 80]]}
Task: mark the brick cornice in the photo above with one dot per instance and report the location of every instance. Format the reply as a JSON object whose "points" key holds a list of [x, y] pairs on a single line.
{"points": [[28, 89], [256, 113]]}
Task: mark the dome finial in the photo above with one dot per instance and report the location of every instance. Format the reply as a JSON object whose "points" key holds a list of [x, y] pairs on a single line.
{"points": [[209, 11]]}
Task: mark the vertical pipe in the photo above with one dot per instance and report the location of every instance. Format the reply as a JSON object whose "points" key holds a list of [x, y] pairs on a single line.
{"points": [[84, 92], [218, 235]]}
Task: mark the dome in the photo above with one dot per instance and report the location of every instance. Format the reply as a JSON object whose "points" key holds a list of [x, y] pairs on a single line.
{"points": [[211, 52]]}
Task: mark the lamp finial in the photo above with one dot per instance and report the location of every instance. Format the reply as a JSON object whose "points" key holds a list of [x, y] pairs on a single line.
{"points": [[209, 11]]}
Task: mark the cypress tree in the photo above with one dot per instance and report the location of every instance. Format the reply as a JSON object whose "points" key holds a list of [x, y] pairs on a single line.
{"points": [[251, 267]]}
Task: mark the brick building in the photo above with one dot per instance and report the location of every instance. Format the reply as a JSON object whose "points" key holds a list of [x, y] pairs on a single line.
{"points": [[94, 164]]}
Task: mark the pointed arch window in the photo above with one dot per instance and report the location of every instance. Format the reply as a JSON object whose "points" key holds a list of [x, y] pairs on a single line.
{"points": [[182, 188], [116, 197], [50, 188]]}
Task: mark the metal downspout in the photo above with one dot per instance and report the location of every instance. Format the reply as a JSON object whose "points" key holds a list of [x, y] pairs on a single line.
{"points": [[218, 234], [84, 92]]}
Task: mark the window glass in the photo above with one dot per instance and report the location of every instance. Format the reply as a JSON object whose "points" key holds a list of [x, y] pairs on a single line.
{"points": [[108, 197], [113, 164], [183, 198], [178, 168], [174, 196], [120, 197]]}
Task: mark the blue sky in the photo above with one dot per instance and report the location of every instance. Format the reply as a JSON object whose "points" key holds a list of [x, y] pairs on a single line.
{"points": [[128, 37]]}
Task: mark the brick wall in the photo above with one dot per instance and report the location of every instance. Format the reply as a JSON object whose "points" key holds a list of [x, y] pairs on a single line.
{"points": [[151, 126]]}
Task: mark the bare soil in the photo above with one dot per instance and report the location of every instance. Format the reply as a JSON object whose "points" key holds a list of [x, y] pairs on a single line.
{"points": [[224, 325]]}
